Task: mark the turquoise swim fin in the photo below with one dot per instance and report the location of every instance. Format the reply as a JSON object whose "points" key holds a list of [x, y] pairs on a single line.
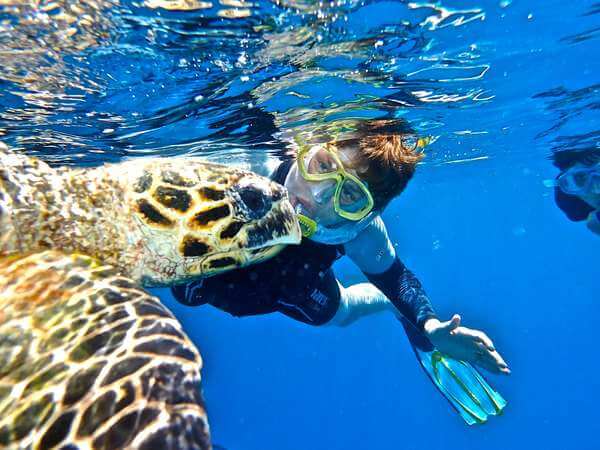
{"points": [[462, 385]]}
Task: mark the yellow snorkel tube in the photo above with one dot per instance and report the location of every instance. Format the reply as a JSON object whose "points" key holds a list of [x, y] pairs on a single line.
{"points": [[308, 227]]}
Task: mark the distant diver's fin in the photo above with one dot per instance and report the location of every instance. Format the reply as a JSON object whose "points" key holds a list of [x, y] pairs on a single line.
{"points": [[462, 385]]}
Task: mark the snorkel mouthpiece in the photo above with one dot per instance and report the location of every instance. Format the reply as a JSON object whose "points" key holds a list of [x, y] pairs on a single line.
{"points": [[307, 225]]}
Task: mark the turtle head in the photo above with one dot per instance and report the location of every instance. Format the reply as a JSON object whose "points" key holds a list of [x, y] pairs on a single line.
{"points": [[196, 219], [250, 220]]}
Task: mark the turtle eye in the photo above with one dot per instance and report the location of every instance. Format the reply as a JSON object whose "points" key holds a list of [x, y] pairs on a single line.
{"points": [[255, 200]]}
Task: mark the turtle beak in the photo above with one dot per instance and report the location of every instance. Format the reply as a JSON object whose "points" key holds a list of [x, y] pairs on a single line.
{"points": [[293, 233], [266, 208], [278, 227], [290, 232]]}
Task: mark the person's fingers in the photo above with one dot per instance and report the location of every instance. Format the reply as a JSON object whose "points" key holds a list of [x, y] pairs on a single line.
{"points": [[488, 361], [483, 338], [495, 368], [487, 341], [480, 345], [500, 361], [477, 336], [493, 358]]}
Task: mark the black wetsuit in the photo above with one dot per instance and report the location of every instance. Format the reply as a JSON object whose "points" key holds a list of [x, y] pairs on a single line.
{"points": [[300, 283]]}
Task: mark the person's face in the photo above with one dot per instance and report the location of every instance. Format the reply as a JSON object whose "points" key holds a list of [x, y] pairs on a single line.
{"points": [[315, 198], [585, 178]]}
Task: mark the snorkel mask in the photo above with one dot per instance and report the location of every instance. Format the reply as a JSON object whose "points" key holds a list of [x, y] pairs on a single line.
{"points": [[332, 183], [581, 181], [352, 200]]}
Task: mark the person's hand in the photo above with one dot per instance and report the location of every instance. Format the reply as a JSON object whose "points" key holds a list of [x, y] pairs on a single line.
{"points": [[465, 344]]}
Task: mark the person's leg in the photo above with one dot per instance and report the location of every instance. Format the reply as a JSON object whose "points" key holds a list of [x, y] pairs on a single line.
{"points": [[360, 300], [327, 302]]}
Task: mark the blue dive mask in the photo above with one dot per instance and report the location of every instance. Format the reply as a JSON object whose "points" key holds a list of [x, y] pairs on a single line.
{"points": [[581, 181]]}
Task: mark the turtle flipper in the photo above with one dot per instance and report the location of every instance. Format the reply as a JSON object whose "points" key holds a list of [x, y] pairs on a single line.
{"points": [[87, 359]]}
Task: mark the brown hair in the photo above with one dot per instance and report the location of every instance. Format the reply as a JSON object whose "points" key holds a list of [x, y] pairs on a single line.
{"points": [[389, 163]]}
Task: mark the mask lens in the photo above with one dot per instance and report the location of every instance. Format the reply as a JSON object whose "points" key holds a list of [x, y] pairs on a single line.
{"points": [[323, 190], [574, 181], [409, 142], [319, 161], [564, 182], [353, 198], [595, 183], [580, 179]]}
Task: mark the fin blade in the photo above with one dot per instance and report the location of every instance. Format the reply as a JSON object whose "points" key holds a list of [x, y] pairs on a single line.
{"points": [[462, 385]]}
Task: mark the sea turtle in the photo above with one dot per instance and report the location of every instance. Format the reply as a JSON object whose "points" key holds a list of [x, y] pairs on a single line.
{"points": [[88, 359]]}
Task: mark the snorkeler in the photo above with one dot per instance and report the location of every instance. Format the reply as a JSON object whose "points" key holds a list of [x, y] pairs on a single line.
{"points": [[577, 187], [339, 189]]}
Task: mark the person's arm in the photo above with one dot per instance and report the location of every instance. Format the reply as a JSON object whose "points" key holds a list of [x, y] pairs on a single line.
{"points": [[373, 253]]}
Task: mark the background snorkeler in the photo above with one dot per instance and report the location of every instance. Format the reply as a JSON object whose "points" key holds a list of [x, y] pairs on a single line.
{"points": [[577, 187], [339, 189]]}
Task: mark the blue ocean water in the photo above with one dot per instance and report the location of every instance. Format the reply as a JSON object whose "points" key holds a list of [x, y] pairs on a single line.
{"points": [[501, 85]]}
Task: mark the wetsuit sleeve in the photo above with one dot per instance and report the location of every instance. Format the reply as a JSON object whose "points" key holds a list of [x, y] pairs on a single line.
{"points": [[405, 291], [372, 251]]}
